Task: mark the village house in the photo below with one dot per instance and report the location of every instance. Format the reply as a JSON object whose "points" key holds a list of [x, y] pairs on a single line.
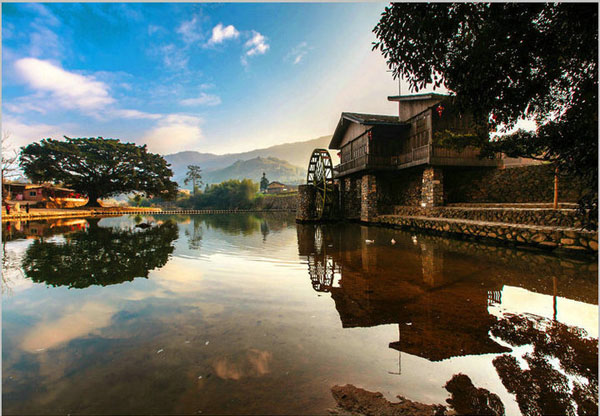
{"points": [[388, 161], [278, 187], [43, 195]]}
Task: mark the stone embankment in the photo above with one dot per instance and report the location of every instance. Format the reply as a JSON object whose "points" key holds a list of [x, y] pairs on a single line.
{"points": [[537, 226], [43, 214], [565, 216]]}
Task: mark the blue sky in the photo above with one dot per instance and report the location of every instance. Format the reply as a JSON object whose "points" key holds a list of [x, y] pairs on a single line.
{"points": [[210, 77]]}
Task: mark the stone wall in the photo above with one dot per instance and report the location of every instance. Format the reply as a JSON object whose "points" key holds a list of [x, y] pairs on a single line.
{"points": [[368, 198], [399, 188], [350, 197], [532, 216], [306, 203], [522, 184], [432, 193], [288, 202], [545, 237]]}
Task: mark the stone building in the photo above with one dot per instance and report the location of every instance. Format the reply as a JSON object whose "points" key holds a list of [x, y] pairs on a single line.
{"points": [[386, 161]]}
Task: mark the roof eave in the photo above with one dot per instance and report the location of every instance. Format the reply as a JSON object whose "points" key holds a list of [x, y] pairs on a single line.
{"points": [[417, 97]]}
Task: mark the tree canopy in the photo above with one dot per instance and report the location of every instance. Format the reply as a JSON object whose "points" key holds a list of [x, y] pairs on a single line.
{"points": [[264, 183], [98, 167], [504, 62], [193, 175], [231, 194]]}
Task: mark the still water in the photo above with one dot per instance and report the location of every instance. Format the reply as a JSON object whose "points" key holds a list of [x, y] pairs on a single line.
{"points": [[247, 314]]}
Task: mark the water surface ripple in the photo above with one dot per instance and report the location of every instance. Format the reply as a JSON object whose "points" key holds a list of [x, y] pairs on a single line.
{"points": [[254, 314]]}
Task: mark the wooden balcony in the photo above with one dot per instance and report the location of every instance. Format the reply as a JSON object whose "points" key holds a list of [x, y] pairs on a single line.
{"points": [[427, 154]]}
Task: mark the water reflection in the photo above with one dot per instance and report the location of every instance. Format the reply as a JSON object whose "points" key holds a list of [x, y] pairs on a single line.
{"points": [[446, 305], [540, 388], [41, 229], [99, 255], [236, 322]]}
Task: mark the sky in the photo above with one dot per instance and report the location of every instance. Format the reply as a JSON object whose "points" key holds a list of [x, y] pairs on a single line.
{"points": [[219, 78]]}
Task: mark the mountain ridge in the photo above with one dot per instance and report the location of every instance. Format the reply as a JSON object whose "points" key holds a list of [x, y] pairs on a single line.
{"points": [[295, 154]]}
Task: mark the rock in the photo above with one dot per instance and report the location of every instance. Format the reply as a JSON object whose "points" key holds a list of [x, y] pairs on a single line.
{"points": [[357, 400], [469, 400]]}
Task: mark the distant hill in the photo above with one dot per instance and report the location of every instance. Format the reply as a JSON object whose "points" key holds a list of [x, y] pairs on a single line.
{"points": [[275, 169], [292, 154]]}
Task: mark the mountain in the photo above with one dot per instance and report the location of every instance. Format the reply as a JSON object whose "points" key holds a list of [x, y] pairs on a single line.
{"points": [[295, 154], [275, 169]]}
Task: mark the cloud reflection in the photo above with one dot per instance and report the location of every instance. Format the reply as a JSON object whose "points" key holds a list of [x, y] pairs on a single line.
{"points": [[74, 324], [253, 363]]}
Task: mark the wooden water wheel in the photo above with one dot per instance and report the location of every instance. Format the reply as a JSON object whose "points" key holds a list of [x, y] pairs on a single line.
{"points": [[320, 175]]}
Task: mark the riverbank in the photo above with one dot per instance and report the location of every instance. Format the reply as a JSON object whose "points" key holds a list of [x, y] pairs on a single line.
{"points": [[44, 214]]}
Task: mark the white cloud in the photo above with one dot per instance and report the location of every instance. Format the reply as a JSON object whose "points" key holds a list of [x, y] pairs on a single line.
{"points": [[129, 113], [202, 99], [221, 33], [297, 53], [190, 30], [174, 133], [173, 56], [22, 134], [70, 90], [257, 45], [152, 29]]}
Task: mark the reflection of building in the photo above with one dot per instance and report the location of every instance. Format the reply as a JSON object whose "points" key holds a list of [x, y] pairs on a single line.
{"points": [[439, 315], [46, 195], [34, 229]]}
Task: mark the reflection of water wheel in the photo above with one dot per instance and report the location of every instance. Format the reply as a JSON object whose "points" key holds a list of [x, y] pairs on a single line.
{"points": [[318, 240], [320, 175]]}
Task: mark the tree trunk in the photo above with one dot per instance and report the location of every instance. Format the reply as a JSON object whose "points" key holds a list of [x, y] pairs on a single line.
{"points": [[92, 200]]}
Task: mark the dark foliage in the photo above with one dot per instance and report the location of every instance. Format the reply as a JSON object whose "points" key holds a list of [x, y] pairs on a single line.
{"points": [[232, 194], [541, 388], [98, 167], [505, 61], [100, 256]]}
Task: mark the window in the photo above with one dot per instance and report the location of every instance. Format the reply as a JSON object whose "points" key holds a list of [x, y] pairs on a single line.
{"points": [[32, 193]]}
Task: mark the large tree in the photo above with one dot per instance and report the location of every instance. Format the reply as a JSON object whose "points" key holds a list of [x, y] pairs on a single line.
{"points": [[193, 175], [98, 167], [504, 62]]}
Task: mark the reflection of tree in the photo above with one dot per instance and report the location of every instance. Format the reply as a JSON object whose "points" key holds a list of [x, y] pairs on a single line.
{"points": [[100, 256], [542, 388], [245, 224], [195, 237], [10, 266], [264, 229]]}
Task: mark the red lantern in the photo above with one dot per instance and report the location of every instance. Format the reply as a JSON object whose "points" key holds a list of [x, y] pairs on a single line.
{"points": [[440, 110]]}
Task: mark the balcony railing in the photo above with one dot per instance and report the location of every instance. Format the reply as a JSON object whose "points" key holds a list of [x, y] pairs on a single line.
{"points": [[417, 156]]}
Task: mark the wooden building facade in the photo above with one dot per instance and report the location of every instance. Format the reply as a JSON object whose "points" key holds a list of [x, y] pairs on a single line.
{"points": [[399, 160]]}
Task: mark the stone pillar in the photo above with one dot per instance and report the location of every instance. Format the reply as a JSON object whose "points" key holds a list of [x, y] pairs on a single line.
{"points": [[306, 203], [368, 198], [432, 192]]}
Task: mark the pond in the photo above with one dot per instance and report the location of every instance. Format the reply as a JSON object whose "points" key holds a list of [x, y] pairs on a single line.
{"points": [[248, 313]]}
